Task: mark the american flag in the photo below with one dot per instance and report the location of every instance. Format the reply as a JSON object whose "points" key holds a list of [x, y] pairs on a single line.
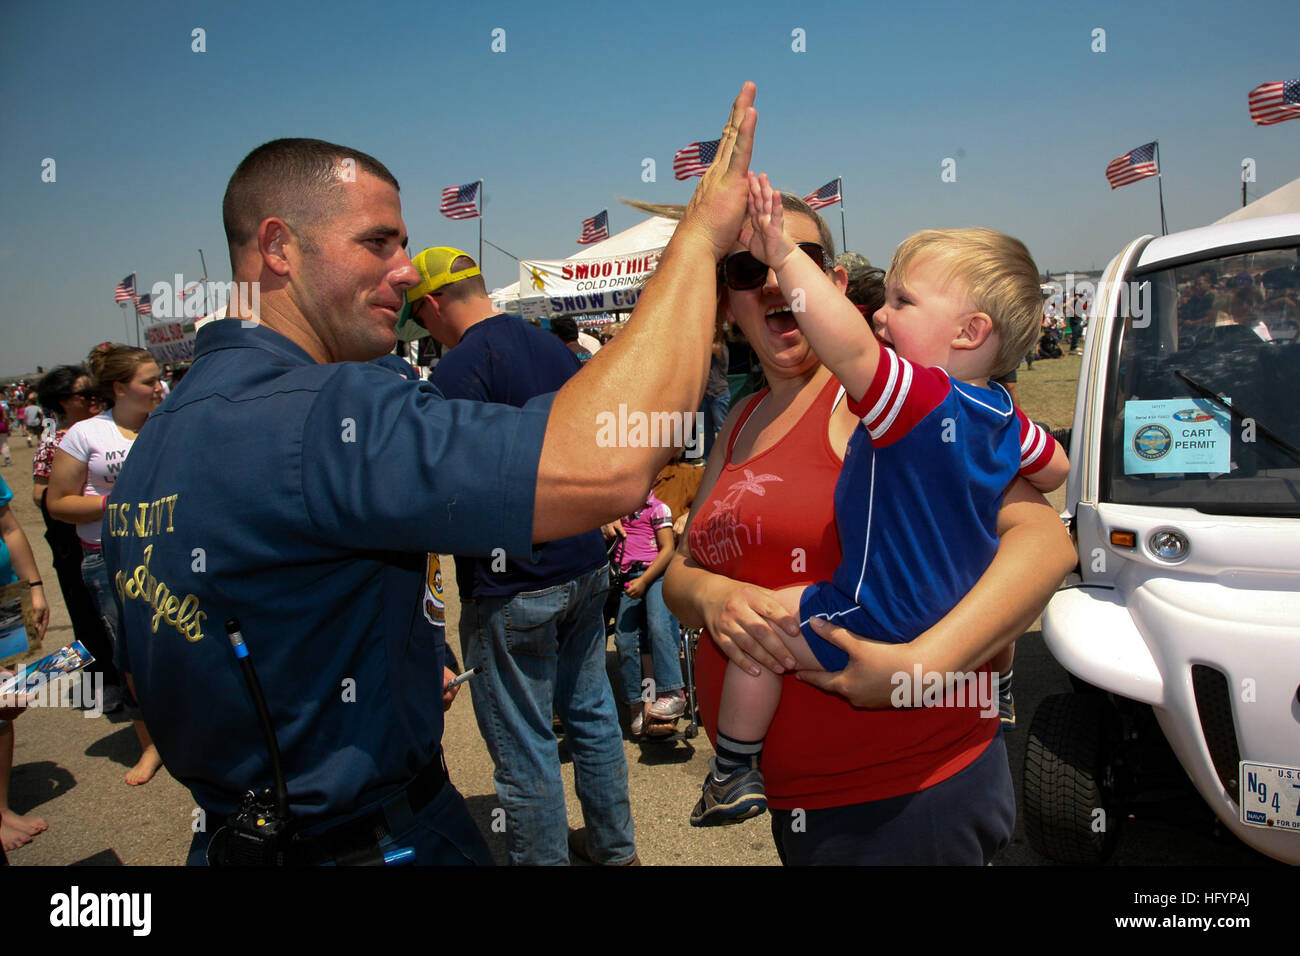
{"points": [[125, 290], [1275, 102], [694, 159], [828, 195], [460, 202], [595, 229], [144, 304], [1132, 166]]}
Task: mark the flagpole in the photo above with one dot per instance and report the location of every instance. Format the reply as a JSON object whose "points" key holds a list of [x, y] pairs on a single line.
{"points": [[1160, 182], [480, 225], [126, 326], [203, 283], [843, 232]]}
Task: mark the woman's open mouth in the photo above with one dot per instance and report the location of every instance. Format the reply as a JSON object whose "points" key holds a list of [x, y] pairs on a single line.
{"points": [[780, 320]]}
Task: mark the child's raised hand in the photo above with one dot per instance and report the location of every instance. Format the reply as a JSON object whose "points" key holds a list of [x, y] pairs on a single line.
{"points": [[766, 237]]}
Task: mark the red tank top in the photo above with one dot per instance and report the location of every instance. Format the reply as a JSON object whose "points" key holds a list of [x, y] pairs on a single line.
{"points": [[770, 521]]}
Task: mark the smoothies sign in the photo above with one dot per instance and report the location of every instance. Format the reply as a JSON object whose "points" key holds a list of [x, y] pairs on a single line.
{"points": [[574, 286]]}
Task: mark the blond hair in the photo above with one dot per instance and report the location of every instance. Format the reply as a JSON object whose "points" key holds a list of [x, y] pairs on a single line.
{"points": [[1000, 279]]}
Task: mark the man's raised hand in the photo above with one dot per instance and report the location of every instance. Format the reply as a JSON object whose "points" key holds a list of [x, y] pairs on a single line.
{"points": [[717, 210]]}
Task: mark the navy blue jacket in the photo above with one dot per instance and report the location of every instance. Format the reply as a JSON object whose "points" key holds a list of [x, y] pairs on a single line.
{"points": [[302, 499]]}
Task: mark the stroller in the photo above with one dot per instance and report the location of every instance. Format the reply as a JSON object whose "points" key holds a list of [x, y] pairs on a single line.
{"points": [[654, 729]]}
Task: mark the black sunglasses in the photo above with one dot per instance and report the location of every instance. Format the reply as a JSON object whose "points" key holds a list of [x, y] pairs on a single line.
{"points": [[741, 271]]}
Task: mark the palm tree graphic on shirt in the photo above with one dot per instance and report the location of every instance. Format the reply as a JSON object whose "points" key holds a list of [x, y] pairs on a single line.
{"points": [[722, 519]]}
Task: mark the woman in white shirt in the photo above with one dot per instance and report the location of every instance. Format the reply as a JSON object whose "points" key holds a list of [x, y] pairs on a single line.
{"points": [[86, 466]]}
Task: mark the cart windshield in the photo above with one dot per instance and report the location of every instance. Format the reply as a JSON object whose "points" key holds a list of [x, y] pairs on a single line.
{"points": [[1203, 387]]}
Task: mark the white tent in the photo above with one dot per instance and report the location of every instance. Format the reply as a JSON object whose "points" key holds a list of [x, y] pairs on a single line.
{"points": [[1282, 200], [646, 238]]}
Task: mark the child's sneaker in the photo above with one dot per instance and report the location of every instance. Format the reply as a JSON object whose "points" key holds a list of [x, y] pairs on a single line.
{"points": [[1007, 709], [729, 799]]}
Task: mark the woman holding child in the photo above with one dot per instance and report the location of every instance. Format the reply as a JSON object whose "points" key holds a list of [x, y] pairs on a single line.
{"points": [[888, 784]]}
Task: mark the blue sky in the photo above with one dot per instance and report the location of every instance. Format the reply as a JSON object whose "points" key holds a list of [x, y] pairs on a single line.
{"points": [[145, 132]]}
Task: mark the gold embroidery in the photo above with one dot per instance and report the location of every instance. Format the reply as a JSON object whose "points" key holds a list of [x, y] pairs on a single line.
{"points": [[184, 615]]}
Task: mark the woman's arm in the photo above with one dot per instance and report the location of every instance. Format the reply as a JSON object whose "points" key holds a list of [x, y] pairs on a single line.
{"points": [[744, 620], [64, 499], [24, 562], [1034, 555]]}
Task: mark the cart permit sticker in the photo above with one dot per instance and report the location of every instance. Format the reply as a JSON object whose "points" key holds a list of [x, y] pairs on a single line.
{"points": [[1176, 435], [435, 611]]}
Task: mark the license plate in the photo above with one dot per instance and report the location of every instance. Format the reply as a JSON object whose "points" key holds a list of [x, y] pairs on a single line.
{"points": [[1270, 796]]}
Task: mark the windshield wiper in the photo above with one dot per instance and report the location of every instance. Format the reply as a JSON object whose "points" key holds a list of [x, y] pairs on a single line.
{"points": [[1240, 413]]}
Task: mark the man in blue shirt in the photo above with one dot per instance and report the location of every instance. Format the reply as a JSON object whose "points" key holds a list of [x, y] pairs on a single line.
{"points": [[536, 627], [290, 485]]}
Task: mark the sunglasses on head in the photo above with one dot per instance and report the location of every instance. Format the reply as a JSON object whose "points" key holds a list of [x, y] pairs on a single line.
{"points": [[741, 270]]}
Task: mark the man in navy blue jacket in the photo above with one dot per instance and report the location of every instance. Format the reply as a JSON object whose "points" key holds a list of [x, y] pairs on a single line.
{"points": [[289, 484]]}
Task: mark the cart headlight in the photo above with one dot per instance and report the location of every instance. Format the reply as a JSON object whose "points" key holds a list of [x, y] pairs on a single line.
{"points": [[1168, 545]]}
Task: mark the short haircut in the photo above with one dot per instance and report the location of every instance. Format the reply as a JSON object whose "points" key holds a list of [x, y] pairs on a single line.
{"points": [[58, 385], [565, 328], [293, 180], [471, 287], [117, 363], [999, 277]]}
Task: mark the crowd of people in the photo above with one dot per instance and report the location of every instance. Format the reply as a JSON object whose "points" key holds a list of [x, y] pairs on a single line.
{"points": [[318, 551], [1262, 306]]}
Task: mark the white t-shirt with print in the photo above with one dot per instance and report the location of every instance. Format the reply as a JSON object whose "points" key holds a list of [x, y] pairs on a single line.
{"points": [[102, 448]]}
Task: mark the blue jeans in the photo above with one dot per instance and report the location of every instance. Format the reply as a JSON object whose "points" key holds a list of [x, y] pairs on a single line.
{"points": [[648, 615], [541, 650], [95, 573]]}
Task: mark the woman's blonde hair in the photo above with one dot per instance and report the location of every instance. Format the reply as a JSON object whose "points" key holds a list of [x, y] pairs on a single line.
{"points": [[789, 202]]}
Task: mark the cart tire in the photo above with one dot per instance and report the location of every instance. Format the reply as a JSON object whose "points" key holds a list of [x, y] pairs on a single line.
{"points": [[1064, 782]]}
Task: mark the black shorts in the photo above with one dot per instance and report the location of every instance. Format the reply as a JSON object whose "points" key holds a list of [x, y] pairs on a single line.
{"points": [[962, 821]]}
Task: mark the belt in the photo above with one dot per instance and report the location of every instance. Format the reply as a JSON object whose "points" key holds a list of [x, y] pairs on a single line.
{"points": [[356, 843]]}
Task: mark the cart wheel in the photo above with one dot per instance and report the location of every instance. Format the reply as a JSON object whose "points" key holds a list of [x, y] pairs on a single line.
{"points": [[691, 732], [1070, 812]]}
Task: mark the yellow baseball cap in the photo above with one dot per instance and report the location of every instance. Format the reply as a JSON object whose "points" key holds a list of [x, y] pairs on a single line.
{"points": [[434, 266]]}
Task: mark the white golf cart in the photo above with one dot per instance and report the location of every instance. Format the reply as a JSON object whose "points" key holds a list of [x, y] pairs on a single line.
{"points": [[1183, 616]]}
